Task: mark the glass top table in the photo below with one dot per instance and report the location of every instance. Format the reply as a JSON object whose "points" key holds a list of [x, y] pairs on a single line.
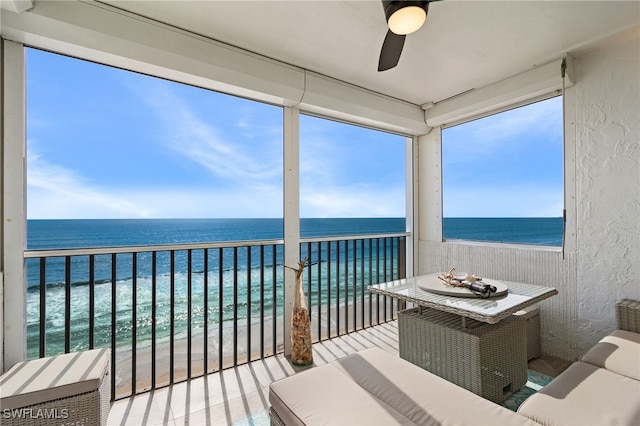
{"points": [[491, 310]]}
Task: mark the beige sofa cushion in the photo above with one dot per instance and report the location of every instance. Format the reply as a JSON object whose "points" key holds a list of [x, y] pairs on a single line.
{"points": [[586, 395], [618, 352], [325, 396], [41, 380], [421, 396]]}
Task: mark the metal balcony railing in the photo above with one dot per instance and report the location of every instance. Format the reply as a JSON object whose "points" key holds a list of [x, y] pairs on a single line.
{"points": [[174, 312]]}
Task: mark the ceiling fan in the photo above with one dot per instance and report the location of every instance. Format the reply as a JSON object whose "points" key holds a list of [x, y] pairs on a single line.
{"points": [[403, 17]]}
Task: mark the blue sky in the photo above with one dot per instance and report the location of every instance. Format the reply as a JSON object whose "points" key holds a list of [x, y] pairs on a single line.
{"points": [[108, 143], [505, 165]]}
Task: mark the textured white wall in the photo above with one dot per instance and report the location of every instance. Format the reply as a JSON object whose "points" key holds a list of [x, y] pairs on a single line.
{"points": [[608, 184], [605, 267]]}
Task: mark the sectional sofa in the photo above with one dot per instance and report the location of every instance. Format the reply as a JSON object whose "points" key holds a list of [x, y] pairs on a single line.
{"points": [[373, 387]]}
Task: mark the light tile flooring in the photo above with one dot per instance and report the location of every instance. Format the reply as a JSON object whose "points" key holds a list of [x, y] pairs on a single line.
{"points": [[232, 396]]}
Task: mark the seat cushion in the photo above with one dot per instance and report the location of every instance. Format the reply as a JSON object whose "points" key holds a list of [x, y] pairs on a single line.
{"points": [[618, 352], [421, 396], [46, 379], [325, 396], [585, 395]]}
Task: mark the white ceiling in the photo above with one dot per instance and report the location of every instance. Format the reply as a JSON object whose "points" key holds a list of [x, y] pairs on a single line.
{"points": [[463, 45]]}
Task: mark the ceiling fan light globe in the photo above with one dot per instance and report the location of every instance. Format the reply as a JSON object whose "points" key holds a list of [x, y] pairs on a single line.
{"points": [[407, 20]]}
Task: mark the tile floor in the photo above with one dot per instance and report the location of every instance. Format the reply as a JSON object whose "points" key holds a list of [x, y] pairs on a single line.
{"points": [[238, 396]]}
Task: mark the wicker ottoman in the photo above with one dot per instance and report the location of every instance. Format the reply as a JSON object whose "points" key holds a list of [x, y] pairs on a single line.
{"points": [[488, 359], [628, 315], [65, 389], [531, 317]]}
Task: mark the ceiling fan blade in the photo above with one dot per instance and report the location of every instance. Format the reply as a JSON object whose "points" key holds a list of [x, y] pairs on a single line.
{"points": [[391, 50]]}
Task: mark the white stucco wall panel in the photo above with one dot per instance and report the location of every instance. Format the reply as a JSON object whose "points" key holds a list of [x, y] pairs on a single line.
{"points": [[608, 185]]}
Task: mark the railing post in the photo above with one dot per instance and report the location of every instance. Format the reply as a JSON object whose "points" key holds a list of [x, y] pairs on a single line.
{"points": [[402, 257]]}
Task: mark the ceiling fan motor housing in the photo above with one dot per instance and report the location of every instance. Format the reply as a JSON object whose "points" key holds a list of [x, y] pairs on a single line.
{"points": [[392, 6]]}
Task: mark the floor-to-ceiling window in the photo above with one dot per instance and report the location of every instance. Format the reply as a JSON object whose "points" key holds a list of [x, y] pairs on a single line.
{"points": [[120, 159]]}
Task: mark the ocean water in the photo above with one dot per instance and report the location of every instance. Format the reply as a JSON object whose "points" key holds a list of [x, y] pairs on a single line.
{"points": [[541, 231], [239, 299], [51, 234], [236, 291]]}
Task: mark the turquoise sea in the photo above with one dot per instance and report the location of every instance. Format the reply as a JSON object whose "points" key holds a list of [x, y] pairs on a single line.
{"points": [[61, 234]]}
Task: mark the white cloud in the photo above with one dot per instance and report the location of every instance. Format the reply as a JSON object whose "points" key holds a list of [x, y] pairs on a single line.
{"points": [[490, 135], [250, 173], [56, 192], [212, 203], [336, 180], [540, 116], [251, 185], [201, 142], [353, 202]]}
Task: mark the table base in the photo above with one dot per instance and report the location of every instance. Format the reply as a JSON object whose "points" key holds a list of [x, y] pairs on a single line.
{"points": [[488, 359]]}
